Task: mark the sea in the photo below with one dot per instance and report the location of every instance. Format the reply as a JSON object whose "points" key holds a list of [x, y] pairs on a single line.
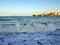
{"points": [[28, 23], [29, 30]]}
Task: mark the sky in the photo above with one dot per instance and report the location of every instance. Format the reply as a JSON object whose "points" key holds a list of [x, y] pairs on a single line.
{"points": [[28, 7]]}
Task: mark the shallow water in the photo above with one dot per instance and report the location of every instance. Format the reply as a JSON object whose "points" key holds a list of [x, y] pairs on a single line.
{"points": [[28, 23], [31, 38], [31, 30]]}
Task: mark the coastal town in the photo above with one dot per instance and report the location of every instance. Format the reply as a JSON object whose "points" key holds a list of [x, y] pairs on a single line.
{"points": [[48, 14]]}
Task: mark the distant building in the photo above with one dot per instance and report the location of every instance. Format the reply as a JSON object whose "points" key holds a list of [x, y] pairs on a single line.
{"points": [[49, 14], [52, 14], [58, 13]]}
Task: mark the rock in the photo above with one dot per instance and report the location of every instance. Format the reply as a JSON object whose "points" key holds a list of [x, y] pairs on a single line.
{"points": [[25, 44], [44, 23], [57, 29], [24, 32], [51, 42], [24, 40], [39, 43], [10, 43], [2, 39], [24, 24]]}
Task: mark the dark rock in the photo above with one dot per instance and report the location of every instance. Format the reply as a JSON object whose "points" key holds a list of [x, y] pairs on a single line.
{"points": [[44, 23], [0, 33], [24, 40], [25, 44], [54, 34], [51, 42], [2, 39], [24, 32], [39, 43], [57, 29], [10, 43], [24, 24]]}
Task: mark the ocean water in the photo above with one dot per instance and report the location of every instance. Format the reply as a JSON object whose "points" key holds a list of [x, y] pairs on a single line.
{"points": [[28, 23], [29, 30]]}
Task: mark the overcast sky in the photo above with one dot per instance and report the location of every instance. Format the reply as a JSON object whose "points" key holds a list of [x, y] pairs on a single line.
{"points": [[28, 7]]}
